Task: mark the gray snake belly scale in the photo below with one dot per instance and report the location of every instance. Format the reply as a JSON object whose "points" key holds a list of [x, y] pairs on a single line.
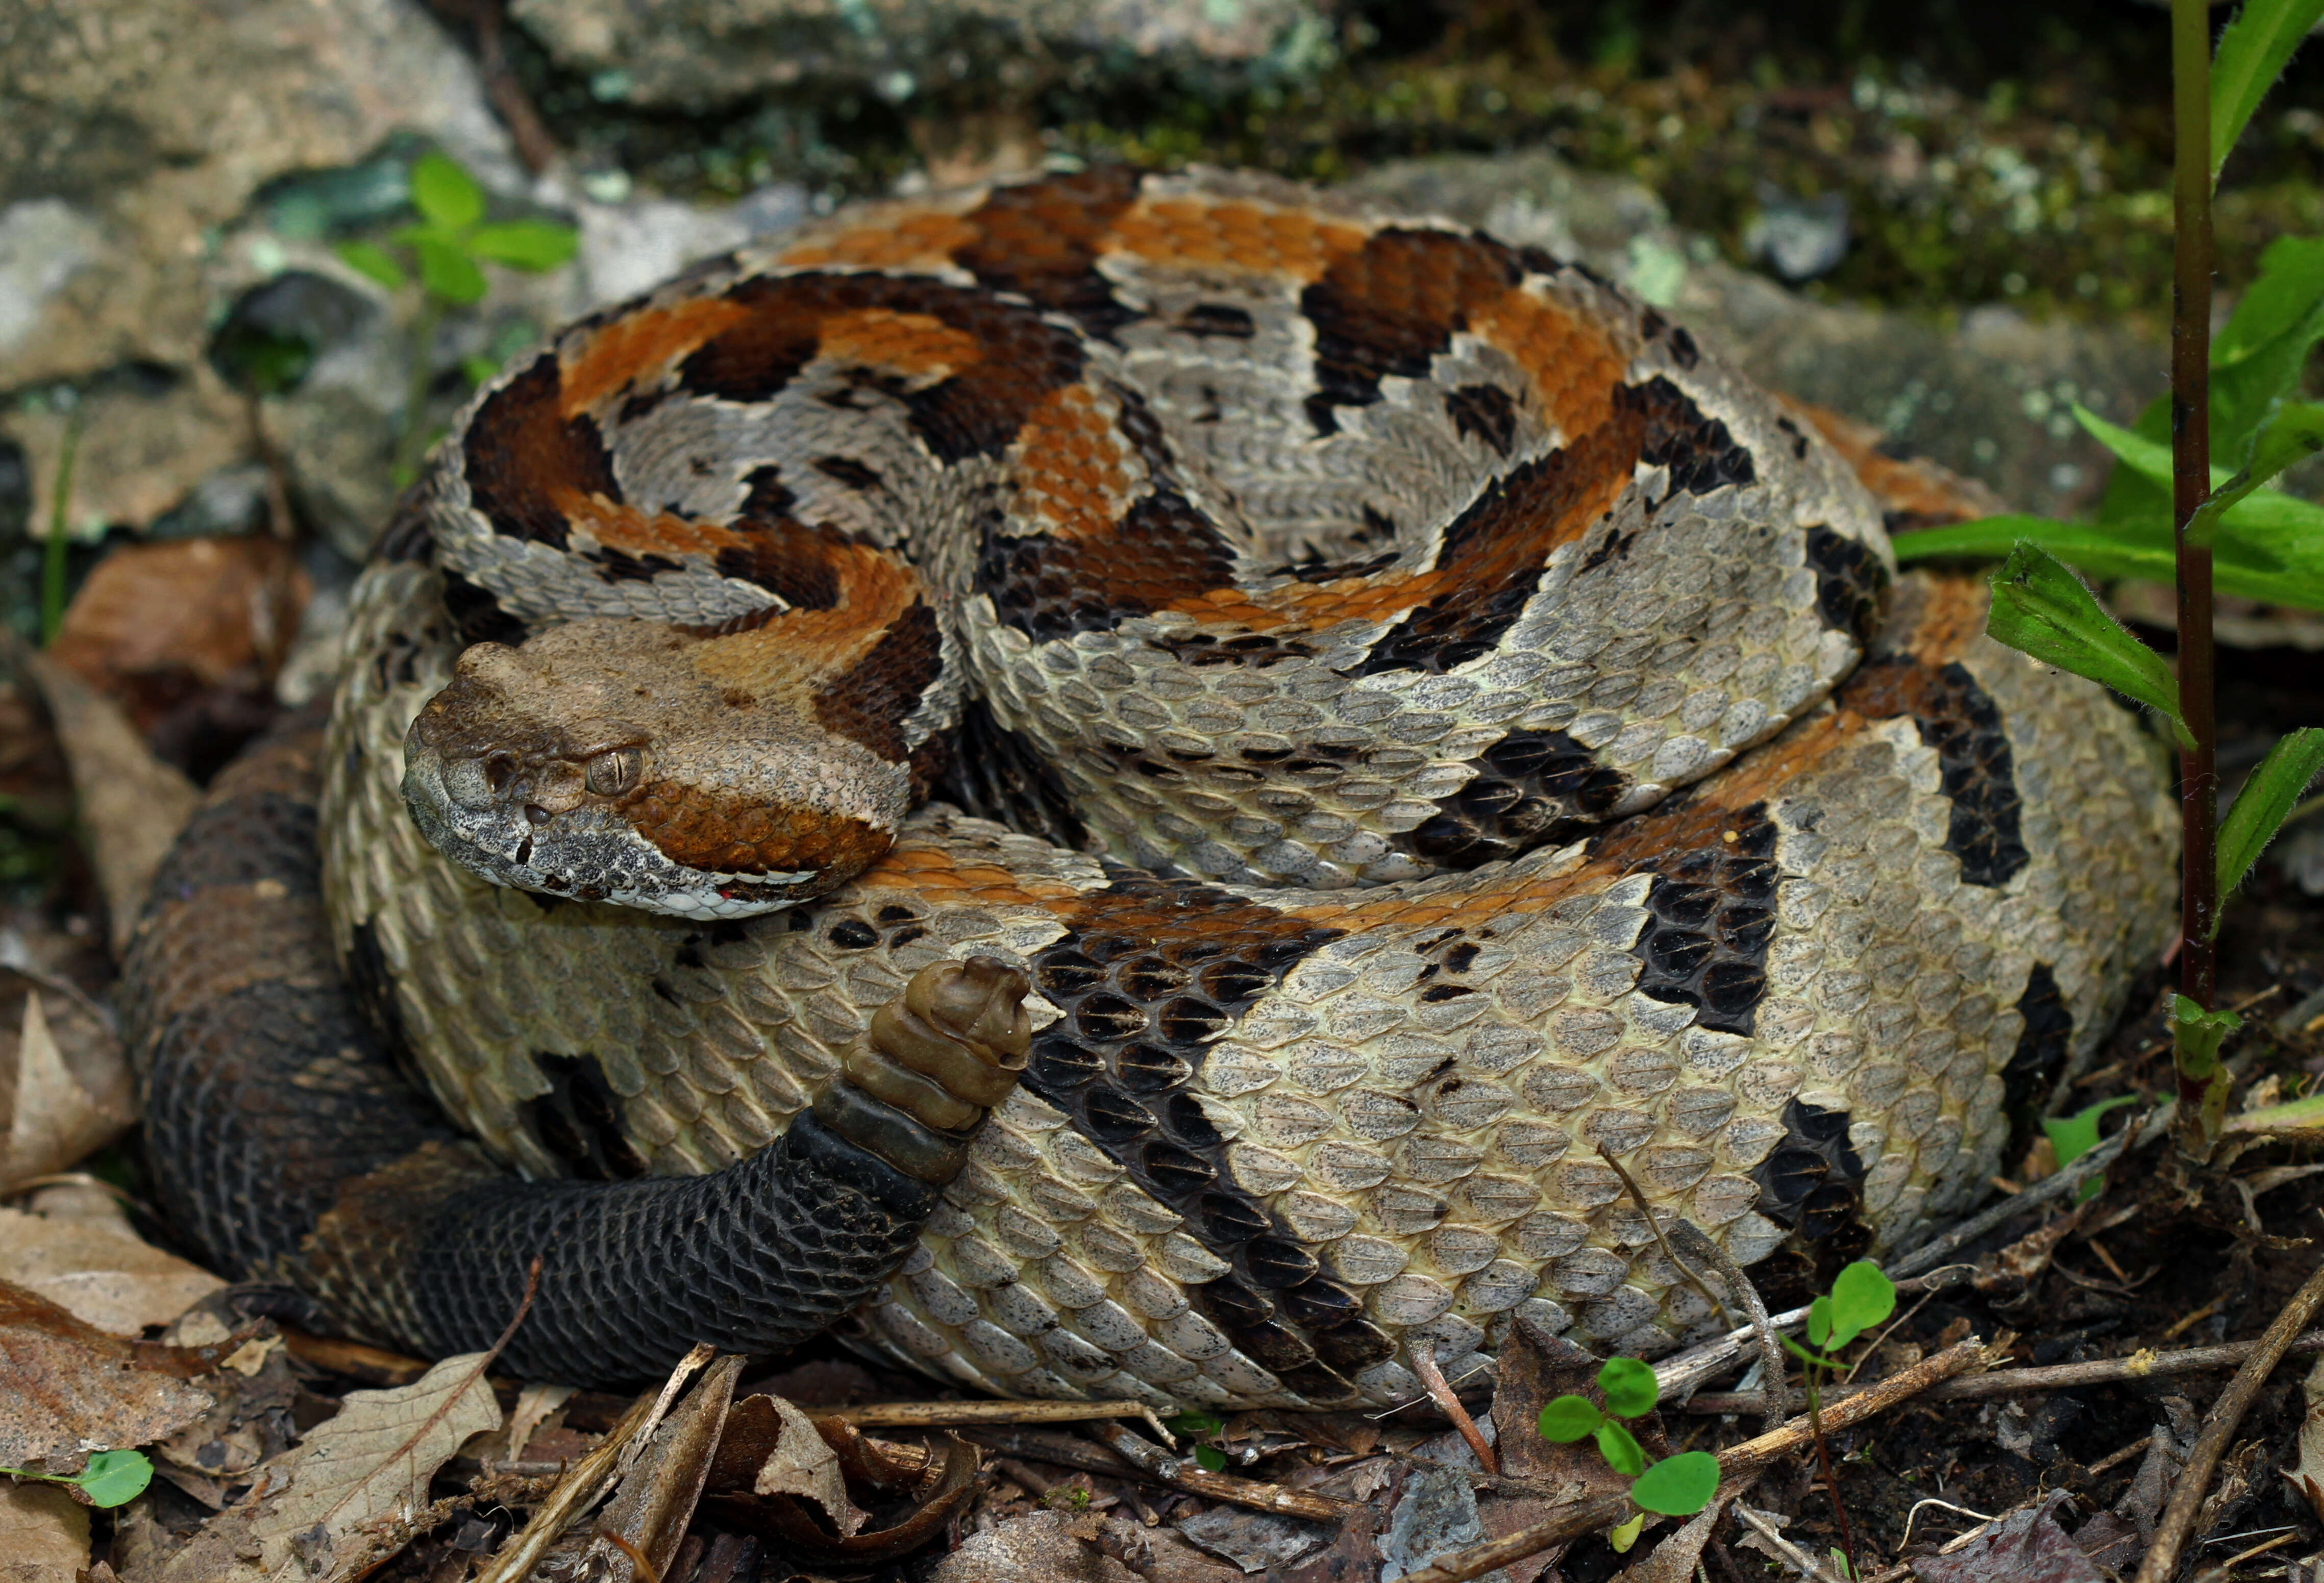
{"points": [[1408, 718]]}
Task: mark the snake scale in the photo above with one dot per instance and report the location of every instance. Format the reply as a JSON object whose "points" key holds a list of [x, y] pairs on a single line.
{"points": [[1414, 725]]}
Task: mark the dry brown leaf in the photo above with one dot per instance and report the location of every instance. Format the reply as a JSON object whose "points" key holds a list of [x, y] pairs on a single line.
{"points": [[64, 1085], [364, 1470], [534, 1404], [67, 1388], [44, 1534], [132, 805], [801, 1465], [99, 1269], [2307, 1475], [169, 626], [648, 1514]]}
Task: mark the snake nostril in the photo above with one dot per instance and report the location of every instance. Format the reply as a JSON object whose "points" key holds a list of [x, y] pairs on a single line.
{"points": [[499, 769]]}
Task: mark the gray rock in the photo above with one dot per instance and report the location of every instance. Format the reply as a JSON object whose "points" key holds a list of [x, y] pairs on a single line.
{"points": [[1799, 238], [156, 120], [697, 54], [631, 247]]}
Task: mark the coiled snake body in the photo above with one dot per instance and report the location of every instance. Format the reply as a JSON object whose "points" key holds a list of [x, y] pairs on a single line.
{"points": [[1436, 727]]}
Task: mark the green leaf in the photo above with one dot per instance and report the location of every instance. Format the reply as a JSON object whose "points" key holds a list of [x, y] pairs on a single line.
{"points": [[1629, 1386], [1620, 1449], [2257, 357], [1803, 1354], [477, 369], [2073, 1137], [536, 245], [2150, 460], [2289, 434], [1678, 1487], [1569, 1418], [446, 195], [2042, 608], [1861, 1297], [2270, 548], [1212, 1457], [1194, 1426], [2253, 51], [449, 274], [2198, 1034], [1839, 1562], [2261, 806], [114, 1479], [1820, 1322], [1621, 1537], [372, 262]]}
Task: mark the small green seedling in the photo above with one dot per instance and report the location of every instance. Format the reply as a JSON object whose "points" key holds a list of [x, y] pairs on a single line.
{"points": [[1861, 1297], [1675, 1486], [2073, 1137], [447, 251], [112, 1478], [1200, 1426]]}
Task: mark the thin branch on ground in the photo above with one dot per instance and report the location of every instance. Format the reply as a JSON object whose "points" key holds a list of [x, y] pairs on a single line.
{"points": [[2227, 1414], [1588, 1517], [942, 1414], [1654, 1223], [1771, 1349], [1431, 1380], [2141, 1132], [1184, 1473], [2012, 1382], [1762, 1525], [593, 1476]]}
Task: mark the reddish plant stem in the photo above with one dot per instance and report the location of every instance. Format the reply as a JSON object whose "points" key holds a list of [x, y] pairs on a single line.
{"points": [[2190, 481], [1830, 1484]]}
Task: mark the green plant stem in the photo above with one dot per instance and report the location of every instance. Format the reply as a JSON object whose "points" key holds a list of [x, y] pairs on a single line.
{"points": [[2190, 481], [412, 445], [60, 539]]}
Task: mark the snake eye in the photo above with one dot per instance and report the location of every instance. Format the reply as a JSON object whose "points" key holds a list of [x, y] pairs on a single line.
{"points": [[609, 775]]}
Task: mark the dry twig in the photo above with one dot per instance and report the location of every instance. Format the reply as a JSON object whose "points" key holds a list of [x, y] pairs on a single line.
{"points": [[2227, 1412], [942, 1414], [2012, 1382], [1432, 1379], [1184, 1473], [1589, 1517]]}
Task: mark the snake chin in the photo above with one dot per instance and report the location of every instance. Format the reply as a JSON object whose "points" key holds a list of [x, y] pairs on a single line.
{"points": [[533, 769]]}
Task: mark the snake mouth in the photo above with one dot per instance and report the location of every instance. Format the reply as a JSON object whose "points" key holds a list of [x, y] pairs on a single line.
{"points": [[531, 770], [584, 851]]}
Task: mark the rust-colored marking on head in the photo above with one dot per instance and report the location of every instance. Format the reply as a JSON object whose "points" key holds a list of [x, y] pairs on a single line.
{"points": [[743, 834]]}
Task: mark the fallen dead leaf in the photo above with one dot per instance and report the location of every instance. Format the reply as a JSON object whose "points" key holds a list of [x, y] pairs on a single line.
{"points": [[648, 1516], [44, 1534], [908, 1503], [132, 805], [64, 1084], [186, 634], [1041, 1548], [2025, 1547], [800, 1464], [67, 1388], [99, 1269], [2307, 1474], [345, 1490]]}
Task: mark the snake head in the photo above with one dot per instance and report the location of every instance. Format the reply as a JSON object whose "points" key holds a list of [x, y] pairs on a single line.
{"points": [[604, 760]]}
